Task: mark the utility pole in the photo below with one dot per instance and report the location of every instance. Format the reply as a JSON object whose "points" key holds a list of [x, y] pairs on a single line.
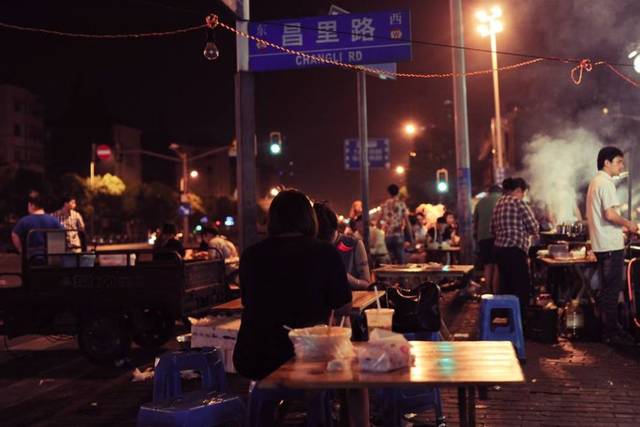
{"points": [[245, 137], [463, 169]]}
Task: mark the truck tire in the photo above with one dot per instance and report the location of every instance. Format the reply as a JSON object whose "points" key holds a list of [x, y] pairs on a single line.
{"points": [[104, 338], [151, 327]]}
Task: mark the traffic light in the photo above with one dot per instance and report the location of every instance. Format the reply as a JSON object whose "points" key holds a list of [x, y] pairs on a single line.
{"points": [[275, 143], [442, 180]]}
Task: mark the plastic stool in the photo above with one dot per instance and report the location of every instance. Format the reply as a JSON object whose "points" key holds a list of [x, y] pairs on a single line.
{"points": [[196, 409], [398, 401], [167, 382], [209, 406], [263, 404], [512, 331]]}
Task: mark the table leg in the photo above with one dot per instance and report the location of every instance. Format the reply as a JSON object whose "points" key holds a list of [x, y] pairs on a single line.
{"points": [[471, 406], [462, 407]]}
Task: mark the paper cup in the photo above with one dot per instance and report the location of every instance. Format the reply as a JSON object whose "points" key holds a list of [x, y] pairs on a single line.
{"points": [[379, 318]]}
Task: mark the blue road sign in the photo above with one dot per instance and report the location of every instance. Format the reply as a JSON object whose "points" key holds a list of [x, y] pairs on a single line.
{"points": [[379, 153], [355, 38]]}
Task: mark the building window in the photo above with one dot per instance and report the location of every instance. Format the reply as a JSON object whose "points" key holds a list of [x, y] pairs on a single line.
{"points": [[17, 130]]}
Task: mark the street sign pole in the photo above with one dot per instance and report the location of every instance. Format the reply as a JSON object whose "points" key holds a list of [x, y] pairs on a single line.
{"points": [[245, 137], [461, 132], [364, 155]]}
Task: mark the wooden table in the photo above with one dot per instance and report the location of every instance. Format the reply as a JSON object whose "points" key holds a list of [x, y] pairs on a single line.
{"points": [[422, 271], [462, 364], [359, 301], [577, 265]]}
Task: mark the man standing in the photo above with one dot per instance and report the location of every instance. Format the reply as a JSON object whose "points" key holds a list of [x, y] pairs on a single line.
{"points": [[482, 234], [607, 241], [72, 221], [33, 243], [512, 225], [396, 217]]}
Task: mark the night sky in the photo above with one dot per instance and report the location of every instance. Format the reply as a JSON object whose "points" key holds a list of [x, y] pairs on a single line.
{"points": [[165, 87]]}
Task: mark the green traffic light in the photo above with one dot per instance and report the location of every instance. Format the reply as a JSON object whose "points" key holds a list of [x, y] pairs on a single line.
{"points": [[275, 148], [443, 187]]}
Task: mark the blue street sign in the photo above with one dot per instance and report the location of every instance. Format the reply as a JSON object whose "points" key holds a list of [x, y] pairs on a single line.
{"points": [[356, 38], [379, 153]]}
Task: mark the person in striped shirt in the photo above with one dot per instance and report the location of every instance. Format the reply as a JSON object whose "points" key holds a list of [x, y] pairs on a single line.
{"points": [[72, 221]]}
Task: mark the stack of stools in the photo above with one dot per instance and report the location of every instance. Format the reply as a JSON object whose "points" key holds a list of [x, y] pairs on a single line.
{"points": [[396, 402], [209, 406], [503, 307]]}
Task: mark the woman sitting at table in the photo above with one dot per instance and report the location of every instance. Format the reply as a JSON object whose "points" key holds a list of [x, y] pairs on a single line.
{"points": [[289, 279], [351, 249]]}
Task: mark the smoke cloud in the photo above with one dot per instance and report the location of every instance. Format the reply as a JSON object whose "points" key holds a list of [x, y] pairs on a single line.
{"points": [[557, 167]]}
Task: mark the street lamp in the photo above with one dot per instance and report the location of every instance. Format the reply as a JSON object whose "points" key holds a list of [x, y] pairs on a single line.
{"points": [[400, 170], [193, 174], [410, 129], [490, 25]]}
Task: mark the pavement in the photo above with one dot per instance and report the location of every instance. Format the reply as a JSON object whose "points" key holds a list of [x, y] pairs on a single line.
{"points": [[45, 381]]}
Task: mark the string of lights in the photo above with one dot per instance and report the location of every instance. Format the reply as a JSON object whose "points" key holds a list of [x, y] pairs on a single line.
{"points": [[372, 70], [212, 21], [103, 36]]}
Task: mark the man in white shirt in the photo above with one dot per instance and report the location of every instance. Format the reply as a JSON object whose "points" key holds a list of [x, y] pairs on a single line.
{"points": [[607, 241]]}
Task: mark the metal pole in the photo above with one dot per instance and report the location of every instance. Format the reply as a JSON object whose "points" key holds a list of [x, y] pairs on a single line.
{"points": [[499, 176], [245, 137], [463, 169], [92, 172], [185, 193], [363, 139]]}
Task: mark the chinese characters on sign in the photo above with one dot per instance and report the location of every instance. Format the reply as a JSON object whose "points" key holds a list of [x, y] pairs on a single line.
{"points": [[378, 151], [367, 38]]}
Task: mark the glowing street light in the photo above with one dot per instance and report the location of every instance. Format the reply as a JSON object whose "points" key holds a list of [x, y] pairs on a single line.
{"points": [[410, 129], [400, 170], [490, 25], [193, 174], [274, 192]]}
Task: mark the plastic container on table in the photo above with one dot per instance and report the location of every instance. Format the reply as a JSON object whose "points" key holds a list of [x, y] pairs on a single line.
{"points": [[379, 318]]}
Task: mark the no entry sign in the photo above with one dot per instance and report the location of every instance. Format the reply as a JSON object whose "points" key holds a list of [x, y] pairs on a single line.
{"points": [[103, 152]]}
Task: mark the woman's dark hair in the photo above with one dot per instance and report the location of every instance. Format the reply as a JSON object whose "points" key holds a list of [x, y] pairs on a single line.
{"points": [[291, 212], [327, 221], [393, 190], [608, 153], [441, 220]]}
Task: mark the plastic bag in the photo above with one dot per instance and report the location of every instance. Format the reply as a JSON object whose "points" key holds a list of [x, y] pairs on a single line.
{"points": [[384, 352], [318, 342]]}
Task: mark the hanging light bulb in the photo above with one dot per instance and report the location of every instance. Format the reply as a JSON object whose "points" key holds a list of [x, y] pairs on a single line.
{"points": [[211, 51]]}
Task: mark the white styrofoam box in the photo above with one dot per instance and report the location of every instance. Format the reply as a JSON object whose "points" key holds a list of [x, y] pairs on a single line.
{"points": [[112, 260], [222, 334]]}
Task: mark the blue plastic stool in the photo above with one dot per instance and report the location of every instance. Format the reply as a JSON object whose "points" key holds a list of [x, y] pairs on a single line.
{"points": [[206, 407], [167, 382], [196, 409], [512, 331], [398, 401], [263, 404]]}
